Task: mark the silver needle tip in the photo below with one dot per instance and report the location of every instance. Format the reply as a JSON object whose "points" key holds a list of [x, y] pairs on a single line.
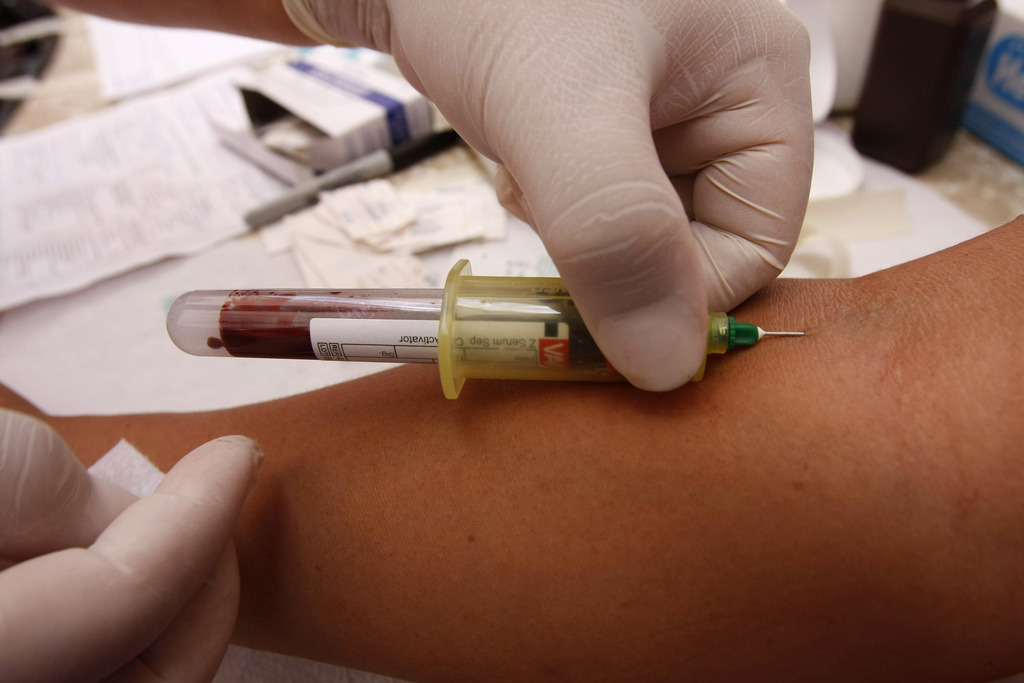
{"points": [[782, 334]]}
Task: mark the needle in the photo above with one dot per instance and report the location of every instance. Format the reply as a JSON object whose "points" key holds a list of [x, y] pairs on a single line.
{"points": [[781, 334]]}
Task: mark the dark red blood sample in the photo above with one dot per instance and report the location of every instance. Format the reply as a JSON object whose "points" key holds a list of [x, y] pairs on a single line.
{"points": [[275, 324]]}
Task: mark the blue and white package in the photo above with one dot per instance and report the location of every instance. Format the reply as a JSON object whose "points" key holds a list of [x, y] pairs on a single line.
{"points": [[358, 107], [995, 111]]}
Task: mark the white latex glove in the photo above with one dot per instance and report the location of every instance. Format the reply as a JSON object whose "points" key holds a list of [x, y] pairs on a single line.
{"points": [[96, 584], [662, 149]]}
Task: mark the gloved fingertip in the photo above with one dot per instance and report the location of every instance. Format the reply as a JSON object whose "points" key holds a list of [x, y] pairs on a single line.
{"points": [[255, 453], [242, 447], [658, 347], [244, 442]]}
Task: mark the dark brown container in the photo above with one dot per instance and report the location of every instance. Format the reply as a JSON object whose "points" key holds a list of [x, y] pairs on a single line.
{"points": [[925, 56]]}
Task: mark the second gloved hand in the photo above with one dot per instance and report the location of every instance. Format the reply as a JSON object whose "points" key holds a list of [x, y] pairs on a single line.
{"points": [[662, 149], [94, 583]]}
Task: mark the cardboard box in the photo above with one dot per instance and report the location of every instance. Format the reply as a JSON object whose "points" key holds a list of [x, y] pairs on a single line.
{"points": [[358, 107], [995, 111]]}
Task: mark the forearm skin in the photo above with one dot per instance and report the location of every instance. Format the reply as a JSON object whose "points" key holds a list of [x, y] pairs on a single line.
{"points": [[843, 506]]}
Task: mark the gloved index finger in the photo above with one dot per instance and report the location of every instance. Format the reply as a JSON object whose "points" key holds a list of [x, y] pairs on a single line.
{"points": [[47, 499], [99, 607]]}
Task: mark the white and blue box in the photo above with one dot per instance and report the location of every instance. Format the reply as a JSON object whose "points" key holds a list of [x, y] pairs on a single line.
{"points": [[995, 110], [358, 107]]}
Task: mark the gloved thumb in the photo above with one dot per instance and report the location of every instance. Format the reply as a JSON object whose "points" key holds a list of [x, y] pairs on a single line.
{"points": [[618, 233]]}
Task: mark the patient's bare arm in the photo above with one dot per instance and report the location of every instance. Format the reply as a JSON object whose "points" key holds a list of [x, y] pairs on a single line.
{"points": [[845, 505]]}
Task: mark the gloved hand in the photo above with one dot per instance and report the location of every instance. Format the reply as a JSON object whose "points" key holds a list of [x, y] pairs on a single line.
{"points": [[661, 148], [96, 583]]}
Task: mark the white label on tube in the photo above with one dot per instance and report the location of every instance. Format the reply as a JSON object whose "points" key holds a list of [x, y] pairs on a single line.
{"points": [[415, 341], [374, 340], [544, 344]]}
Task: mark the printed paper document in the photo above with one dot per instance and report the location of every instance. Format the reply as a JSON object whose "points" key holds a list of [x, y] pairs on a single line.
{"points": [[135, 183]]}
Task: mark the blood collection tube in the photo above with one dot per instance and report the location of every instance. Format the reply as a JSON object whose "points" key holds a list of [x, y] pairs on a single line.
{"points": [[476, 327]]}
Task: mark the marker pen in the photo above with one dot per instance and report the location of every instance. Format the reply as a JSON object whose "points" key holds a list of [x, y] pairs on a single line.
{"points": [[374, 165]]}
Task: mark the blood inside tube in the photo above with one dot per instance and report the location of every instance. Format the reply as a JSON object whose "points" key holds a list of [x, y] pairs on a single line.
{"points": [[276, 324]]}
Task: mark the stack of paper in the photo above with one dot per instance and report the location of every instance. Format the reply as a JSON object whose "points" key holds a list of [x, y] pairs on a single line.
{"points": [[135, 183], [369, 234]]}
